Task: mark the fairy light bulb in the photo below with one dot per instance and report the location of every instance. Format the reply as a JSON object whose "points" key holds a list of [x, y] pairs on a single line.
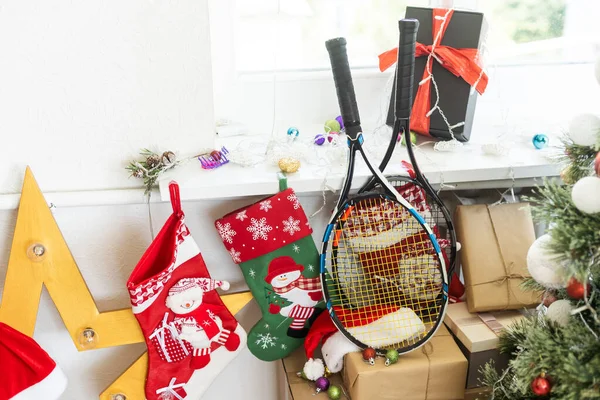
{"points": [[88, 339], [118, 396], [36, 252]]}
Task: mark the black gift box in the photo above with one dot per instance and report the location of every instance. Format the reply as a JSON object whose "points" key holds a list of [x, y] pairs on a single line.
{"points": [[465, 30]]}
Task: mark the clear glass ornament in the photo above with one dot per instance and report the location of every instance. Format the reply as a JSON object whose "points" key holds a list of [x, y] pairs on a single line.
{"points": [[118, 396]]}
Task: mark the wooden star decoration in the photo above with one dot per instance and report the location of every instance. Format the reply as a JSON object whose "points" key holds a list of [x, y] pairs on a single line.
{"points": [[40, 256]]}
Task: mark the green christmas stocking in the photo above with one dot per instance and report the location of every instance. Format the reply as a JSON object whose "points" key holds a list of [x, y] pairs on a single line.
{"points": [[272, 243]]}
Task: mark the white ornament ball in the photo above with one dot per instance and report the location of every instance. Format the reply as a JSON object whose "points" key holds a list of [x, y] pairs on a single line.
{"points": [[597, 69], [544, 266], [586, 194], [560, 312], [584, 129], [314, 369]]}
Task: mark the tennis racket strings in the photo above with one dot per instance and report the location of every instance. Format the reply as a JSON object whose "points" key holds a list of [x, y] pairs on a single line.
{"points": [[384, 262]]}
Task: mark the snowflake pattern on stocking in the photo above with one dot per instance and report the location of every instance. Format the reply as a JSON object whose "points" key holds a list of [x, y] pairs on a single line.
{"points": [[291, 225], [259, 228], [235, 255], [252, 273], [241, 215], [296, 248], [294, 199], [226, 232], [265, 205], [265, 341]]}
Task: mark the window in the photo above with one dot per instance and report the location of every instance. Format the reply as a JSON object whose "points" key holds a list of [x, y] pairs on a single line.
{"points": [[538, 53]]}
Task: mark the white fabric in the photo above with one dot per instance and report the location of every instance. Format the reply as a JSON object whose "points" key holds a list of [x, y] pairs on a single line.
{"points": [[220, 358], [334, 349], [393, 328], [49, 388]]}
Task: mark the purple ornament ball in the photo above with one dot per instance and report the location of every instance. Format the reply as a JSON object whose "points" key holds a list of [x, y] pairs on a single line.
{"points": [[340, 120], [320, 139], [322, 384]]}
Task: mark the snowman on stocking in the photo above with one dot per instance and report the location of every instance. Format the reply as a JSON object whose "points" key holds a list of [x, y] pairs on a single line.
{"points": [[194, 320], [285, 276]]}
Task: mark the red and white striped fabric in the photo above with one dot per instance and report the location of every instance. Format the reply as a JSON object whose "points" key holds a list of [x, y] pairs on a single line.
{"points": [[300, 314]]}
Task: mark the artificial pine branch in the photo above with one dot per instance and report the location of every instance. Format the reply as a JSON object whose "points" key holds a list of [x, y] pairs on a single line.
{"points": [[575, 234], [578, 161]]}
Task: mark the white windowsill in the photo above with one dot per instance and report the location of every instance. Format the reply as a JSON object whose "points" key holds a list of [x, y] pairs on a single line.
{"points": [[467, 168]]}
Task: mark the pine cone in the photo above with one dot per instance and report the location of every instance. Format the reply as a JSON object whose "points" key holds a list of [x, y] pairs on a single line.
{"points": [[138, 173], [153, 161]]}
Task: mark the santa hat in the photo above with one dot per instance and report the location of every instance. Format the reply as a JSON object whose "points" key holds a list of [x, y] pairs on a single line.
{"points": [[378, 326], [193, 289], [334, 346], [282, 265], [27, 371]]}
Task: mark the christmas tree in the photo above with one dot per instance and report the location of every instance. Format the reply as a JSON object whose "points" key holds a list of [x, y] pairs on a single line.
{"points": [[274, 298], [556, 353]]}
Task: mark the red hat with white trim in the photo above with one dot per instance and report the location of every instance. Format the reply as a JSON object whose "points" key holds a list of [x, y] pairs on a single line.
{"points": [[27, 371], [282, 265]]}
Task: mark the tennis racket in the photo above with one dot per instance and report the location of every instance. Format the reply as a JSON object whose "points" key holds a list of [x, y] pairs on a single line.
{"points": [[415, 187], [382, 270]]}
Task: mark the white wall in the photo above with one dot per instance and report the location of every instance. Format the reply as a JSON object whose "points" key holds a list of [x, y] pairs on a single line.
{"points": [[85, 84], [107, 242]]}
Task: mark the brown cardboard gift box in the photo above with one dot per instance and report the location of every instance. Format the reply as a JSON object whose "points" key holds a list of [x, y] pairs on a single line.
{"points": [[477, 337], [301, 389], [495, 240], [435, 371]]}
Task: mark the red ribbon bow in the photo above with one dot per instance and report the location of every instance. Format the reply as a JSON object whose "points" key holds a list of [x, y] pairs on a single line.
{"points": [[461, 62]]}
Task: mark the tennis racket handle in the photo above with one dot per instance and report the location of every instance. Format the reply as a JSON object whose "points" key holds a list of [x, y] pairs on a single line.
{"points": [[343, 82], [406, 67]]}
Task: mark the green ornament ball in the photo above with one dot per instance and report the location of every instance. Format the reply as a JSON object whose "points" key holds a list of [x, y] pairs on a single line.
{"points": [[413, 139], [334, 392], [332, 125], [391, 357], [302, 375]]}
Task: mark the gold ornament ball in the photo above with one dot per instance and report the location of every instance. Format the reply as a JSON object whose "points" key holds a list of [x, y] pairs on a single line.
{"points": [[289, 165]]}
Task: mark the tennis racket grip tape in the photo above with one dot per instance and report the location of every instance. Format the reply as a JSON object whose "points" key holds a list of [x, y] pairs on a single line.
{"points": [[406, 67], [343, 81]]}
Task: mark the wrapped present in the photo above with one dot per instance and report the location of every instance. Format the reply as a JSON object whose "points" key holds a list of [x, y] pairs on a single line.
{"points": [[169, 346], [483, 393], [454, 65], [435, 371], [495, 240], [477, 337], [302, 389]]}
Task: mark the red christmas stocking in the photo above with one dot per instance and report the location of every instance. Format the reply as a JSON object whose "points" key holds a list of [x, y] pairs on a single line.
{"points": [[191, 336]]}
